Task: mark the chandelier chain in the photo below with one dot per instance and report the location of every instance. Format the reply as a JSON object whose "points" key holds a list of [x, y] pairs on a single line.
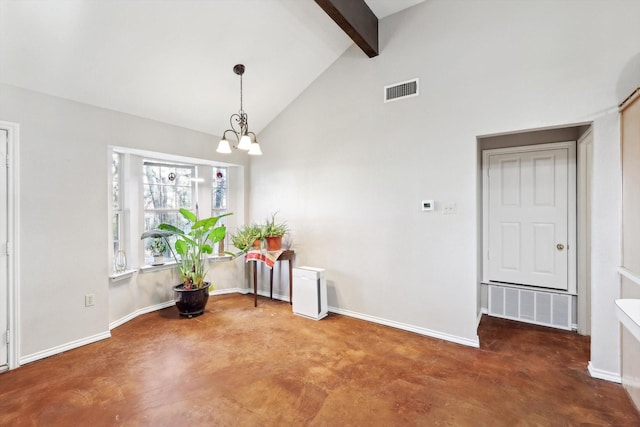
{"points": [[241, 109]]}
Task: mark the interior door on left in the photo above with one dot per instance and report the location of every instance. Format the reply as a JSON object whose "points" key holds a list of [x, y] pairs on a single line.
{"points": [[4, 280]]}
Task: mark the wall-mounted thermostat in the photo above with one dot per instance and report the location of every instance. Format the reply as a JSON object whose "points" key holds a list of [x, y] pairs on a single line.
{"points": [[427, 205]]}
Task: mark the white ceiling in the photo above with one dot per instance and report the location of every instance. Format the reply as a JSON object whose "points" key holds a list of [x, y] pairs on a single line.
{"points": [[384, 8], [172, 60]]}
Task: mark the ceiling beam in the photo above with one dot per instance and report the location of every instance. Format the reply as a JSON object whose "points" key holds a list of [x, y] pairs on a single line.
{"points": [[357, 20]]}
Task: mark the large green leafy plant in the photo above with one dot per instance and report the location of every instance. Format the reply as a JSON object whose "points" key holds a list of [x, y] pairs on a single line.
{"points": [[191, 247]]}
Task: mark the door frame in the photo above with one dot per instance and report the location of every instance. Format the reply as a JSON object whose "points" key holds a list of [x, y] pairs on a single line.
{"points": [[585, 165], [572, 207], [13, 246]]}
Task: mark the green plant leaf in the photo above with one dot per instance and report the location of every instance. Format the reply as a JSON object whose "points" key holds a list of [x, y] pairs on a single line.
{"points": [[188, 240], [218, 234], [188, 215], [205, 223], [155, 233], [210, 222], [181, 247], [172, 228]]}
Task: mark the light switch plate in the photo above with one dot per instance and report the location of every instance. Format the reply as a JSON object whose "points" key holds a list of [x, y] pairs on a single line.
{"points": [[449, 208], [427, 205]]}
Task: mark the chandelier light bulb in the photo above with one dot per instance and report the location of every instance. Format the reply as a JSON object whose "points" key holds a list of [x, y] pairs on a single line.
{"points": [[254, 150], [224, 147], [245, 142]]}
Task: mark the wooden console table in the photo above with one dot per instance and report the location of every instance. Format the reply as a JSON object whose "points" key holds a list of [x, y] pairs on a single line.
{"points": [[286, 255]]}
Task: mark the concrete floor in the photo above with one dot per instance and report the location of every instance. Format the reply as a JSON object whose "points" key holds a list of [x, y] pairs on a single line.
{"points": [[243, 366]]}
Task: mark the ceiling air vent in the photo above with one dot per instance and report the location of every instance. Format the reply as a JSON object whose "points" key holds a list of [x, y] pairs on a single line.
{"points": [[401, 90]]}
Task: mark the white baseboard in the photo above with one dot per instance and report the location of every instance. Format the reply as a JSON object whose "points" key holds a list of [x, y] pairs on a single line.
{"points": [[262, 293], [164, 305], [64, 347], [229, 291], [275, 295], [140, 312], [422, 331], [604, 375]]}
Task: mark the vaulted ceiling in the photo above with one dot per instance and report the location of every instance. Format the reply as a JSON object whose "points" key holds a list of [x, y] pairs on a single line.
{"points": [[172, 61]]}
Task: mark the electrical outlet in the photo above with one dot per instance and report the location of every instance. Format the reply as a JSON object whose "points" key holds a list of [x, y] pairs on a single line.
{"points": [[449, 208], [89, 300]]}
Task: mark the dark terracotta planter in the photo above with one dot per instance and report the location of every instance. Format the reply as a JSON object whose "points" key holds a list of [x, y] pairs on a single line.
{"points": [[274, 243], [191, 302]]}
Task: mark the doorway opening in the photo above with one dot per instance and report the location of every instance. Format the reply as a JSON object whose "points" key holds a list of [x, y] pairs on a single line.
{"points": [[533, 216], [9, 245]]}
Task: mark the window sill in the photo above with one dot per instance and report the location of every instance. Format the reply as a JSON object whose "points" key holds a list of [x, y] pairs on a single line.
{"points": [[629, 275], [628, 313], [159, 267], [220, 258], [116, 277], [172, 264]]}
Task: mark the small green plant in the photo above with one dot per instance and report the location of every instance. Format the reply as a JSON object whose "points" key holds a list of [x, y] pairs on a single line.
{"points": [[245, 236], [158, 246], [193, 246], [273, 229]]}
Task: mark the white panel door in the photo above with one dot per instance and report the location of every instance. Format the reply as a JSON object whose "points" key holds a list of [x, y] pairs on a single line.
{"points": [[4, 282], [528, 218]]}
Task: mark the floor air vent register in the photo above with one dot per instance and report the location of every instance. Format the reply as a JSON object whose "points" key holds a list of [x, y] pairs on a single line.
{"points": [[531, 306]]}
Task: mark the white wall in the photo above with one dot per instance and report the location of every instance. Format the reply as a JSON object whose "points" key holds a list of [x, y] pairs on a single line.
{"points": [[64, 210], [606, 202], [349, 172]]}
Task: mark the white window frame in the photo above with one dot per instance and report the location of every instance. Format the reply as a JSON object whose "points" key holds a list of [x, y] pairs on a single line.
{"points": [[194, 195], [133, 214], [117, 212], [220, 211]]}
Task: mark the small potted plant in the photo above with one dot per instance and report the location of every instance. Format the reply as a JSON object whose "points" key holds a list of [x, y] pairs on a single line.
{"points": [[158, 247], [191, 250], [246, 237], [255, 231], [273, 232]]}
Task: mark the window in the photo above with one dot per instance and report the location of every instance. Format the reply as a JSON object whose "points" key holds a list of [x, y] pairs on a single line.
{"points": [[116, 194], [149, 188], [220, 192], [167, 188]]}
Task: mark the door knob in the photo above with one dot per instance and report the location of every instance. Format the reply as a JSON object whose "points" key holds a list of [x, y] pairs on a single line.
{"points": [[560, 246]]}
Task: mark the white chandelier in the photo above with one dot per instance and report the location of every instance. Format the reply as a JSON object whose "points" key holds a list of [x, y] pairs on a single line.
{"points": [[239, 122]]}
